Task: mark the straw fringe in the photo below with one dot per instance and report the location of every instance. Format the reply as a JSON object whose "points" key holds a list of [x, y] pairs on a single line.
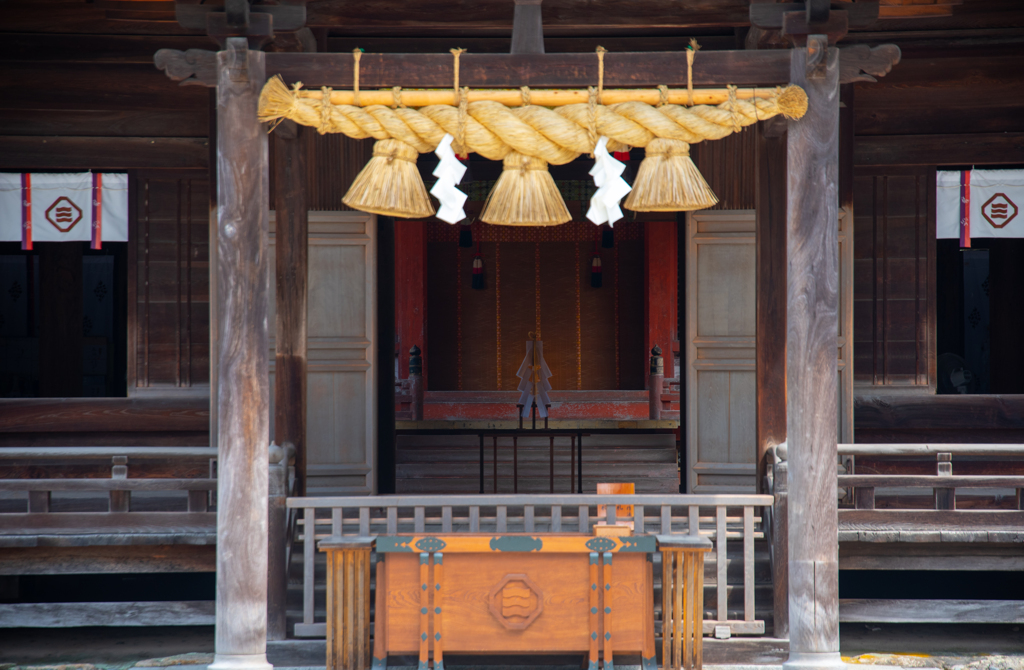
{"points": [[525, 195], [390, 184], [668, 181]]}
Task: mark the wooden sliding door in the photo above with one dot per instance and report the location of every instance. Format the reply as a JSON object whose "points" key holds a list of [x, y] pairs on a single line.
{"points": [[341, 387]]}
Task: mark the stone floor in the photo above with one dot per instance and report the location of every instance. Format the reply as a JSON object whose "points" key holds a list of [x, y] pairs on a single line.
{"points": [[949, 647]]}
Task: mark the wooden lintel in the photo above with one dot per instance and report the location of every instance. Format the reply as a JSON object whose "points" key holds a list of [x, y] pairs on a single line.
{"points": [[631, 69], [628, 69]]}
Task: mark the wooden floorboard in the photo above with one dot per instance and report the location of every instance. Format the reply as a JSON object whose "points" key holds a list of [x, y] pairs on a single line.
{"points": [[931, 611], [68, 615]]}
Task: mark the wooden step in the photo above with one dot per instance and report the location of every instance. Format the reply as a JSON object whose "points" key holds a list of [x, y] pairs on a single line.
{"points": [[535, 468], [526, 485], [463, 454]]}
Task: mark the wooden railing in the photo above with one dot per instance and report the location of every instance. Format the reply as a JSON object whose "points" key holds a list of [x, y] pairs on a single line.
{"points": [[722, 518], [94, 506], [943, 483], [80, 470]]}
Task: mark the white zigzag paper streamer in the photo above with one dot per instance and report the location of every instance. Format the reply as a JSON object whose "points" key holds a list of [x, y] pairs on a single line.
{"points": [[449, 172], [611, 187]]}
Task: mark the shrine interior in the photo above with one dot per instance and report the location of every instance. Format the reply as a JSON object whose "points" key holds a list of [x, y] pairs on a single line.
{"points": [[665, 334]]}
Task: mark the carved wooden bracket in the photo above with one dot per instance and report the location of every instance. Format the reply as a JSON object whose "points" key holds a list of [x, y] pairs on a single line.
{"points": [[195, 67], [864, 63]]}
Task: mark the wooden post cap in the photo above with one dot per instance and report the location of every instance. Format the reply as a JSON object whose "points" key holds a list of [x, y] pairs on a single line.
{"points": [[683, 542], [348, 542]]}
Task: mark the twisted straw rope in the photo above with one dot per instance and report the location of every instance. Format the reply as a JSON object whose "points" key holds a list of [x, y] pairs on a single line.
{"points": [[556, 136]]}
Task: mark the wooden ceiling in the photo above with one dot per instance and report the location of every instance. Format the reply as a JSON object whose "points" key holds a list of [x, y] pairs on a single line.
{"points": [[493, 18]]}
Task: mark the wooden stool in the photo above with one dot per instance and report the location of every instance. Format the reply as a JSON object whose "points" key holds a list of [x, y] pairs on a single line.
{"points": [[682, 600], [348, 602]]}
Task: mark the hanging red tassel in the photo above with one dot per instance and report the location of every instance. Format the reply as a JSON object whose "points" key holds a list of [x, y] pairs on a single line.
{"points": [[478, 269], [595, 271]]}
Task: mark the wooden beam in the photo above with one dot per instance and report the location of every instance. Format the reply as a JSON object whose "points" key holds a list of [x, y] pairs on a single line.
{"points": [[107, 559], [64, 615], [931, 611], [101, 153], [81, 415], [630, 69], [397, 17], [962, 149], [242, 360], [292, 270], [104, 123], [811, 375], [938, 412], [771, 294]]}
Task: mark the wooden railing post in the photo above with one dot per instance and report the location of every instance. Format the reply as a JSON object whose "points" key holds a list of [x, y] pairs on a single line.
{"points": [[348, 602], [656, 382], [811, 374], [682, 598], [416, 382], [780, 543], [945, 498], [243, 394], [277, 544]]}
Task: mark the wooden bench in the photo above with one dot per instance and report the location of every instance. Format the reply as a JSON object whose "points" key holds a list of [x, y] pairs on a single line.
{"points": [[936, 521], [102, 510]]}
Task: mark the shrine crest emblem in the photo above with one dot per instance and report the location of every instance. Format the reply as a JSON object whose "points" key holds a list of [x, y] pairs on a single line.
{"points": [[516, 602]]}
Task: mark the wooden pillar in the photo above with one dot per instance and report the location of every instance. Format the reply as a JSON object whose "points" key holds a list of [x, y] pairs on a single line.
{"points": [[292, 269], [411, 293], [771, 293], [660, 290], [811, 376], [243, 364], [291, 265]]}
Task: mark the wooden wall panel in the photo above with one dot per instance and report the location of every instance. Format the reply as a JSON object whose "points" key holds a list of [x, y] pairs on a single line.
{"points": [[591, 335], [517, 316], [633, 358], [947, 93], [443, 286], [729, 165], [558, 311], [411, 294], [479, 322], [170, 313], [598, 337], [332, 163], [894, 278]]}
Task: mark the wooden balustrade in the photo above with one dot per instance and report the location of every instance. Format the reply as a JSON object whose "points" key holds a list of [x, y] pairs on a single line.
{"points": [[718, 518]]}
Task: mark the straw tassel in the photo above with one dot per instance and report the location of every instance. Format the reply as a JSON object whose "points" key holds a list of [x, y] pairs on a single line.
{"points": [[390, 184], [525, 195], [668, 181]]}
